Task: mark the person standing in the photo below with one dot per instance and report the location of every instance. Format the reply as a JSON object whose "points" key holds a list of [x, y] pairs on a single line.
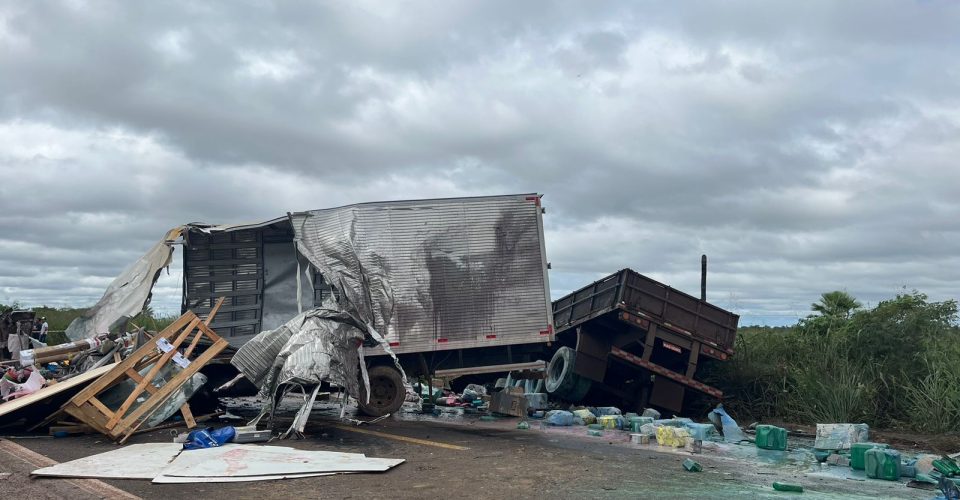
{"points": [[43, 330]]}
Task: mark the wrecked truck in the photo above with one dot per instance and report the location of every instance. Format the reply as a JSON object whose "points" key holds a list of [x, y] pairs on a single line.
{"points": [[638, 342], [449, 286]]}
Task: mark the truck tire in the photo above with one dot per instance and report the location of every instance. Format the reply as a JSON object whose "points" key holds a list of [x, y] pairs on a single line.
{"points": [[387, 391], [561, 381]]}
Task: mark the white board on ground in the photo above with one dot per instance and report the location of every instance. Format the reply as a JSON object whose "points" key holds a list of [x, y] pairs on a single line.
{"points": [[137, 461], [234, 460], [161, 479]]}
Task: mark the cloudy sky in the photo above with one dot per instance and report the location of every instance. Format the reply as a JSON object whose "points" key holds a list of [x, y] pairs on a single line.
{"points": [[804, 146]]}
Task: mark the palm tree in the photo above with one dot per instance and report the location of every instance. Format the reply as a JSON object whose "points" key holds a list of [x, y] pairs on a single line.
{"points": [[836, 304]]}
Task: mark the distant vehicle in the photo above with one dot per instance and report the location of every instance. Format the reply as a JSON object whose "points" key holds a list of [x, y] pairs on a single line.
{"points": [[637, 341], [467, 278]]}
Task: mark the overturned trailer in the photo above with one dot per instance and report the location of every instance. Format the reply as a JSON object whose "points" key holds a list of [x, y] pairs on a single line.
{"points": [[638, 341], [457, 285]]}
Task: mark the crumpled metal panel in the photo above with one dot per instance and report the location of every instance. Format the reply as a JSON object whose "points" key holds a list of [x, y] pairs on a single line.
{"points": [[318, 345], [436, 274], [128, 294]]}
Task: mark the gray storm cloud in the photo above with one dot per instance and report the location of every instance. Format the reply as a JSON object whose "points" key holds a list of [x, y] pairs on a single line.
{"points": [[803, 146]]}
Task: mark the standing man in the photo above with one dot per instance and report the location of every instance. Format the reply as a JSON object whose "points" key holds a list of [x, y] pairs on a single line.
{"points": [[43, 330]]}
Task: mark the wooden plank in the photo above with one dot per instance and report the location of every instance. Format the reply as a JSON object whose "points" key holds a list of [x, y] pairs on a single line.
{"points": [[188, 416], [151, 374], [206, 323], [70, 429], [213, 312], [102, 408], [51, 390], [129, 424]]}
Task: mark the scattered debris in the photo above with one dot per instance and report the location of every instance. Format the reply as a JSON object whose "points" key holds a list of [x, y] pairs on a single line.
{"points": [[840, 436], [731, 431], [692, 466]]}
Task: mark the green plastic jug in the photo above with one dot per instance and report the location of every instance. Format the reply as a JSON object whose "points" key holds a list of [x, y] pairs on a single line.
{"points": [[771, 437], [882, 463], [857, 451]]}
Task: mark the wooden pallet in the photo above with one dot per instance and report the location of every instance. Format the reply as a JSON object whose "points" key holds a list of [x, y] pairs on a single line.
{"points": [[164, 348]]}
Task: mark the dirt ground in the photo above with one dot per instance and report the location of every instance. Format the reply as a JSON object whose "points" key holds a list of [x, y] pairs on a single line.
{"points": [[460, 456]]}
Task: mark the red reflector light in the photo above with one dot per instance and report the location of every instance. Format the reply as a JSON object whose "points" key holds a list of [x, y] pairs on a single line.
{"points": [[441, 340], [394, 344], [491, 336], [674, 348]]}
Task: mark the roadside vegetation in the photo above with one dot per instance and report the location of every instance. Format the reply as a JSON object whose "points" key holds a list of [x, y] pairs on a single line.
{"points": [[892, 366]]}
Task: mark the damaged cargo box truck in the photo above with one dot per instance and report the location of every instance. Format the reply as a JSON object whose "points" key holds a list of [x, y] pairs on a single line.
{"points": [[452, 285], [637, 341]]}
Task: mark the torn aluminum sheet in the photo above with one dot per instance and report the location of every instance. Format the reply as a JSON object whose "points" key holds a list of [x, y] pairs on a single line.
{"points": [[137, 461], [128, 294], [320, 345]]}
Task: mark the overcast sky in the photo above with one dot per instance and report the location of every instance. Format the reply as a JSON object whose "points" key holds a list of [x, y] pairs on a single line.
{"points": [[804, 146]]}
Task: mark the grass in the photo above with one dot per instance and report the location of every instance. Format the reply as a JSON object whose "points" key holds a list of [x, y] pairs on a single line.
{"points": [[890, 366]]}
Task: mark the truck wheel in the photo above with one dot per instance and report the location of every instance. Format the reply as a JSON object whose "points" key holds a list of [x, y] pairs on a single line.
{"points": [[561, 381], [387, 391]]}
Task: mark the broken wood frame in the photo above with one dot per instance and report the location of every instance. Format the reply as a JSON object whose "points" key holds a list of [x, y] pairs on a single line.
{"points": [[123, 422]]}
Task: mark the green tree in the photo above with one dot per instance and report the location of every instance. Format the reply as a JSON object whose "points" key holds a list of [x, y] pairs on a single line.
{"points": [[836, 304]]}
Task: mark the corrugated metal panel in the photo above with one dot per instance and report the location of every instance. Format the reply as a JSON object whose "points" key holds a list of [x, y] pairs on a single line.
{"points": [[438, 274]]}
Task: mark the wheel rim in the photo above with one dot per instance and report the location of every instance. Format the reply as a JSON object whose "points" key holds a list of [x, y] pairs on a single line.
{"points": [[382, 392]]}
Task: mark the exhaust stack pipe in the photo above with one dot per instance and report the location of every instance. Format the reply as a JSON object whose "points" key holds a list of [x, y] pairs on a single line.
{"points": [[703, 277]]}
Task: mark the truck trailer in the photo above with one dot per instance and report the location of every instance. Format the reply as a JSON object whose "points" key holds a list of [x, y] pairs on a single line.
{"points": [[455, 286]]}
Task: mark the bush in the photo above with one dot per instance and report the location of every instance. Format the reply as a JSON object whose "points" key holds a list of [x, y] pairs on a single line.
{"points": [[892, 365]]}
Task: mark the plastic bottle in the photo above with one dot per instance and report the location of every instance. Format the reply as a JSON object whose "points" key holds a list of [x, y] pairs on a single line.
{"points": [[692, 466], [787, 487]]}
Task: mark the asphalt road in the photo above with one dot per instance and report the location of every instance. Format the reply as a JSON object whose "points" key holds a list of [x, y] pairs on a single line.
{"points": [[467, 458]]}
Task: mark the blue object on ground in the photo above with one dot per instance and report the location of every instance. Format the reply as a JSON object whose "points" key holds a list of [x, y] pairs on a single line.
{"points": [[560, 418], [731, 431], [209, 438]]}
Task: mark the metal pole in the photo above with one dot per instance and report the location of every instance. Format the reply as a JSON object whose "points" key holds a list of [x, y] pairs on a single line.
{"points": [[703, 277]]}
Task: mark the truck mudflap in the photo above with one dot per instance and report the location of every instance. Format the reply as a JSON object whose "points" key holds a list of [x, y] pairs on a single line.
{"points": [[659, 370]]}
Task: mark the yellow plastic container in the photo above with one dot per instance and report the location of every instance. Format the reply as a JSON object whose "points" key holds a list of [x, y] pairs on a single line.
{"points": [[675, 437]]}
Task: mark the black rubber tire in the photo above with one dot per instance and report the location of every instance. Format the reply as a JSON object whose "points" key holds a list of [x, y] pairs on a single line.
{"points": [[561, 381], [387, 391]]}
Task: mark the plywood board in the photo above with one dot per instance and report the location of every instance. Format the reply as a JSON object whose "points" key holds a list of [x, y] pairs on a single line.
{"points": [[238, 479], [138, 461], [250, 460], [50, 390]]}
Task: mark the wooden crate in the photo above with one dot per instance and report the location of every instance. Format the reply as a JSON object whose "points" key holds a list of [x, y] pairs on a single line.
{"points": [[164, 348]]}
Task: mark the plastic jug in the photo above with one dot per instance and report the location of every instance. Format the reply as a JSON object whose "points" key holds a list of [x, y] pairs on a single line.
{"points": [[771, 437], [858, 454], [881, 463]]}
